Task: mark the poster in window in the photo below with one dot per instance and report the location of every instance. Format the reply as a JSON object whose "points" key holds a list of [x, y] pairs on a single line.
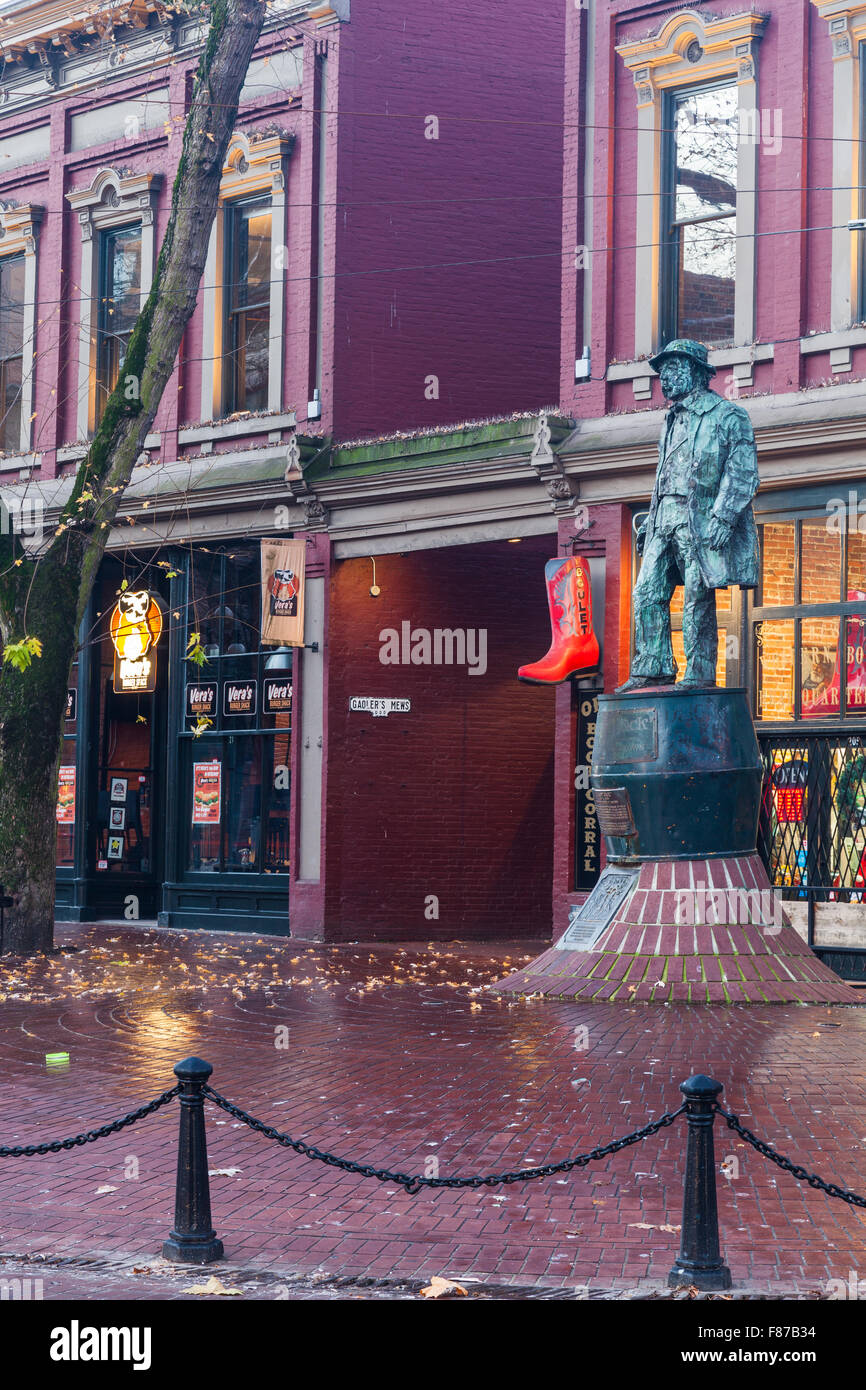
{"points": [[115, 846], [855, 659], [206, 792], [71, 705], [66, 796], [819, 668], [283, 593], [118, 788], [117, 818]]}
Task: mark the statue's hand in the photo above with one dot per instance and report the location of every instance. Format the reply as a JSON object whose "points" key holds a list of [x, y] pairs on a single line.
{"points": [[719, 533], [640, 538]]}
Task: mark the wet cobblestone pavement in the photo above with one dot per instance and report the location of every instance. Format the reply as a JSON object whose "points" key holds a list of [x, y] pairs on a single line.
{"points": [[395, 1056]]}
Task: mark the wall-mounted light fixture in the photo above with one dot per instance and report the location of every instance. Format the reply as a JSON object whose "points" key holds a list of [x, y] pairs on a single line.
{"points": [[375, 591]]}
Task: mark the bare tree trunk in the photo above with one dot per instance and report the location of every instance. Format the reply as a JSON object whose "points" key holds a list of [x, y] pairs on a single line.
{"points": [[47, 597]]}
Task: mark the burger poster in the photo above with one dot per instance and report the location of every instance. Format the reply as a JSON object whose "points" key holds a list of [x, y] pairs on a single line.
{"points": [[66, 796], [206, 793], [283, 593]]}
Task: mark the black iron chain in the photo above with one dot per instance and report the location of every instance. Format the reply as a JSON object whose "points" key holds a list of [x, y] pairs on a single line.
{"points": [[55, 1146], [801, 1174], [414, 1182]]}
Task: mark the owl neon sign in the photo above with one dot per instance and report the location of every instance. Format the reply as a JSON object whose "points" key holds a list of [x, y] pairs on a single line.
{"points": [[135, 628]]}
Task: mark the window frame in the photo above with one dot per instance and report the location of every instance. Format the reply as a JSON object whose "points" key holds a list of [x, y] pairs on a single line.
{"points": [[798, 612], [104, 337], [228, 731], [5, 263], [20, 226], [232, 313], [669, 227], [114, 198], [254, 168]]}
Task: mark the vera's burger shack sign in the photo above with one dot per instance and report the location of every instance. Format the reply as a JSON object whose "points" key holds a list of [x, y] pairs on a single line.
{"points": [[135, 627], [283, 565]]}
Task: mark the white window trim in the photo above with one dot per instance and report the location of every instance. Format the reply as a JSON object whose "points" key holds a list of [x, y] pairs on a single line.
{"points": [[846, 20], [114, 198], [254, 165], [18, 229], [658, 64]]}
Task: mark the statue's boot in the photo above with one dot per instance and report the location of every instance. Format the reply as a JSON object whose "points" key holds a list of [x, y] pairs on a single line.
{"points": [[644, 682], [574, 646]]}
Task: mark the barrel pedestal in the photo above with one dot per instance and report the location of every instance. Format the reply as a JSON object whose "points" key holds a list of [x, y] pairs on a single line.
{"points": [[684, 910]]}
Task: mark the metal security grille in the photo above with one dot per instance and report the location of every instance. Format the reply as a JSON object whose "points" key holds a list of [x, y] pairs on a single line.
{"points": [[812, 827]]}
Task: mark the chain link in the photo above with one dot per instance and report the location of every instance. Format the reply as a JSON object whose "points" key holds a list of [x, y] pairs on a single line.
{"points": [[801, 1174], [414, 1182], [55, 1146]]}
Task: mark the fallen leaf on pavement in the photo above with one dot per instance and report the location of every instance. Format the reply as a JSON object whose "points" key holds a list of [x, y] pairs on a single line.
{"points": [[439, 1288], [645, 1226], [105, 1188], [213, 1285]]}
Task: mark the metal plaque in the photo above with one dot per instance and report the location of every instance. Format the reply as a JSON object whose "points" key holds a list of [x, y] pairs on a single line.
{"points": [[631, 736], [587, 922], [613, 809]]}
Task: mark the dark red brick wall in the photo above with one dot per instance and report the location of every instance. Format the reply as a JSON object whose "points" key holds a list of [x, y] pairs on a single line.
{"points": [[449, 250], [455, 798]]}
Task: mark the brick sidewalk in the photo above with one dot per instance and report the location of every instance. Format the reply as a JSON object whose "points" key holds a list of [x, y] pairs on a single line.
{"points": [[393, 1058]]}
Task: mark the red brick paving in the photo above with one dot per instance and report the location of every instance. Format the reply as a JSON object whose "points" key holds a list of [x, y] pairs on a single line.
{"points": [[707, 962], [393, 1059]]}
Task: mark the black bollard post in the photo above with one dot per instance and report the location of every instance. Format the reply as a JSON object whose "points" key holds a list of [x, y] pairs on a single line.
{"points": [[193, 1240], [699, 1262]]}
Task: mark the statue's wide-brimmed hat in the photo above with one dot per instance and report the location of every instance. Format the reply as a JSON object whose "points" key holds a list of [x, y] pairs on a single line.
{"points": [[684, 347]]}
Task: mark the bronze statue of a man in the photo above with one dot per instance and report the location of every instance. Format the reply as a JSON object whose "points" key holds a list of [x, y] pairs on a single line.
{"points": [[700, 531]]}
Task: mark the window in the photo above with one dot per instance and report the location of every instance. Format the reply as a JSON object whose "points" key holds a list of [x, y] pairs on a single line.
{"points": [[246, 301], [244, 294], [700, 214], [116, 217], [12, 276], [119, 304], [809, 622], [236, 757], [696, 183]]}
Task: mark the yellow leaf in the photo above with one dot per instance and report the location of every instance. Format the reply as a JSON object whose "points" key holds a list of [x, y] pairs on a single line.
{"points": [[214, 1286], [443, 1288]]}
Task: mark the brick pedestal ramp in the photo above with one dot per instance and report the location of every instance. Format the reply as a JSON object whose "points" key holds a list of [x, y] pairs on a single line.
{"points": [[646, 955]]}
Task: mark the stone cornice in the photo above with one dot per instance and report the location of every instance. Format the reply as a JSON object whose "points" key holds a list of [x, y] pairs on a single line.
{"points": [[73, 54]]}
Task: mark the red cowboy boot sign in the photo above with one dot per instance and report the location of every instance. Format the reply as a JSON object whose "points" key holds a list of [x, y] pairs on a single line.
{"points": [[574, 647]]}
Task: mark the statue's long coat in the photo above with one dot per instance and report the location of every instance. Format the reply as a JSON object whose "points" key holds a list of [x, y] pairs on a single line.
{"points": [[723, 481]]}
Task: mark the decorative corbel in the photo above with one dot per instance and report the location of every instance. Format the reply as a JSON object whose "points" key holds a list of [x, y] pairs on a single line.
{"points": [[561, 489]]}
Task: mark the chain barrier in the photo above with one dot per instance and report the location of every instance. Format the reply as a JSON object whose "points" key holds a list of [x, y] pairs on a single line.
{"points": [[414, 1182], [55, 1146], [831, 1188]]}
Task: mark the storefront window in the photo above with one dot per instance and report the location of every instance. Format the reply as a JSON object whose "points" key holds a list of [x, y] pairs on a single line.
{"points": [[774, 665], [67, 789], [820, 563], [812, 596], [237, 723], [778, 557], [724, 610], [819, 667]]}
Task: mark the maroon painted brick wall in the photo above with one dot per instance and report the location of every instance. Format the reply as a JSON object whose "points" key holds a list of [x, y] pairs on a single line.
{"points": [[454, 798], [448, 251]]}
